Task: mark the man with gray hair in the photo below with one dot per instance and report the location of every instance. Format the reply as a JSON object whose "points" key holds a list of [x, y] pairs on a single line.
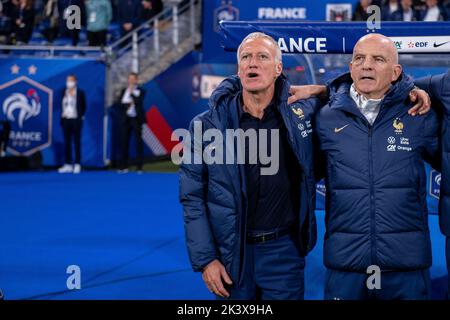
{"points": [[246, 231]]}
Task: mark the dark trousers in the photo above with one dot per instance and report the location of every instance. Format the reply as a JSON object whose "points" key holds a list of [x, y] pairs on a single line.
{"points": [[75, 36], [131, 126], [409, 285], [97, 39], [273, 270], [72, 133]]}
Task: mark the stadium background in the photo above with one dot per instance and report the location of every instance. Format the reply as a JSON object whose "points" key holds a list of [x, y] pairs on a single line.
{"points": [[126, 231]]}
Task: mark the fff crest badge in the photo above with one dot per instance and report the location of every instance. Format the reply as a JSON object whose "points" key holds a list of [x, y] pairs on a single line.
{"points": [[320, 188], [435, 184], [225, 12], [27, 105]]}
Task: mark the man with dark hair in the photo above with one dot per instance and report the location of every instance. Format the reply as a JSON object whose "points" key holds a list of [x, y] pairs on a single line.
{"points": [[132, 118]]}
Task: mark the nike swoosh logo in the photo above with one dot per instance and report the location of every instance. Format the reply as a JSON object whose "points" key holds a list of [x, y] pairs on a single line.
{"points": [[336, 130], [436, 45]]}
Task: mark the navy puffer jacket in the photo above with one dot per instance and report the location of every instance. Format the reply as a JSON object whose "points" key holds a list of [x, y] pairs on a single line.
{"points": [[439, 88], [376, 210], [213, 196]]}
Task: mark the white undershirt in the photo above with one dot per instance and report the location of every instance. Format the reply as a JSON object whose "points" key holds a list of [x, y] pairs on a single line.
{"points": [[69, 105], [368, 107]]}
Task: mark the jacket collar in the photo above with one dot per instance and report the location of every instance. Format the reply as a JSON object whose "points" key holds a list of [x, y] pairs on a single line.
{"points": [[340, 93]]}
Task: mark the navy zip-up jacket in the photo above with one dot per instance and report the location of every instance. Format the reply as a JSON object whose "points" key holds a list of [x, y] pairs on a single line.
{"points": [[376, 209], [213, 196], [439, 89]]}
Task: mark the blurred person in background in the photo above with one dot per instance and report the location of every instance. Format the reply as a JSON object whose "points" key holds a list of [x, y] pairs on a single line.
{"points": [[150, 8], [50, 20], [360, 13], [131, 119], [388, 8], [23, 20], [73, 106], [5, 21], [64, 31], [5, 129], [128, 15], [406, 12], [99, 16], [447, 8], [433, 11]]}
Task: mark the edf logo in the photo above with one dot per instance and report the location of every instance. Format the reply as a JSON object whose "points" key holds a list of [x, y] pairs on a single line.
{"points": [[27, 105], [435, 184], [419, 44]]}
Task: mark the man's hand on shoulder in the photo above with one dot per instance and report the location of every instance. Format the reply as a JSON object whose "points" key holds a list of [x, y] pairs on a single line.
{"points": [[305, 92], [422, 102]]}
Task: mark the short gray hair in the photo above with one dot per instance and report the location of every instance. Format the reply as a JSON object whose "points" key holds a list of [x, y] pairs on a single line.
{"points": [[260, 35]]}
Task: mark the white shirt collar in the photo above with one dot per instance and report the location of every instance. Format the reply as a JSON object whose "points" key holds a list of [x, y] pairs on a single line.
{"points": [[362, 100], [368, 107]]}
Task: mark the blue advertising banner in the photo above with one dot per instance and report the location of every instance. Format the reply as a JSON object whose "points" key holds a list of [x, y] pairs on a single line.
{"points": [[340, 37], [31, 92], [215, 11]]}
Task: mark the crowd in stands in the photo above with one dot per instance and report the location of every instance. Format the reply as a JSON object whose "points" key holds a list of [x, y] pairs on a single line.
{"points": [[19, 18], [405, 10]]}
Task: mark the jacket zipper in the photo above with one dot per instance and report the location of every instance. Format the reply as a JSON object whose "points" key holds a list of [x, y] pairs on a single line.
{"points": [[303, 171], [372, 201]]}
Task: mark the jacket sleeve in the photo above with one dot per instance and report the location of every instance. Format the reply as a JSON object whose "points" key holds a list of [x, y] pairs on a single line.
{"points": [[431, 132], [193, 189], [438, 87], [319, 156], [444, 197], [440, 90], [423, 83], [139, 100]]}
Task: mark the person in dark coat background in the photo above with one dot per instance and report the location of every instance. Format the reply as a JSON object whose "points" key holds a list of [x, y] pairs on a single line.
{"points": [[23, 19], [150, 9], [63, 5], [131, 119], [128, 15]]}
